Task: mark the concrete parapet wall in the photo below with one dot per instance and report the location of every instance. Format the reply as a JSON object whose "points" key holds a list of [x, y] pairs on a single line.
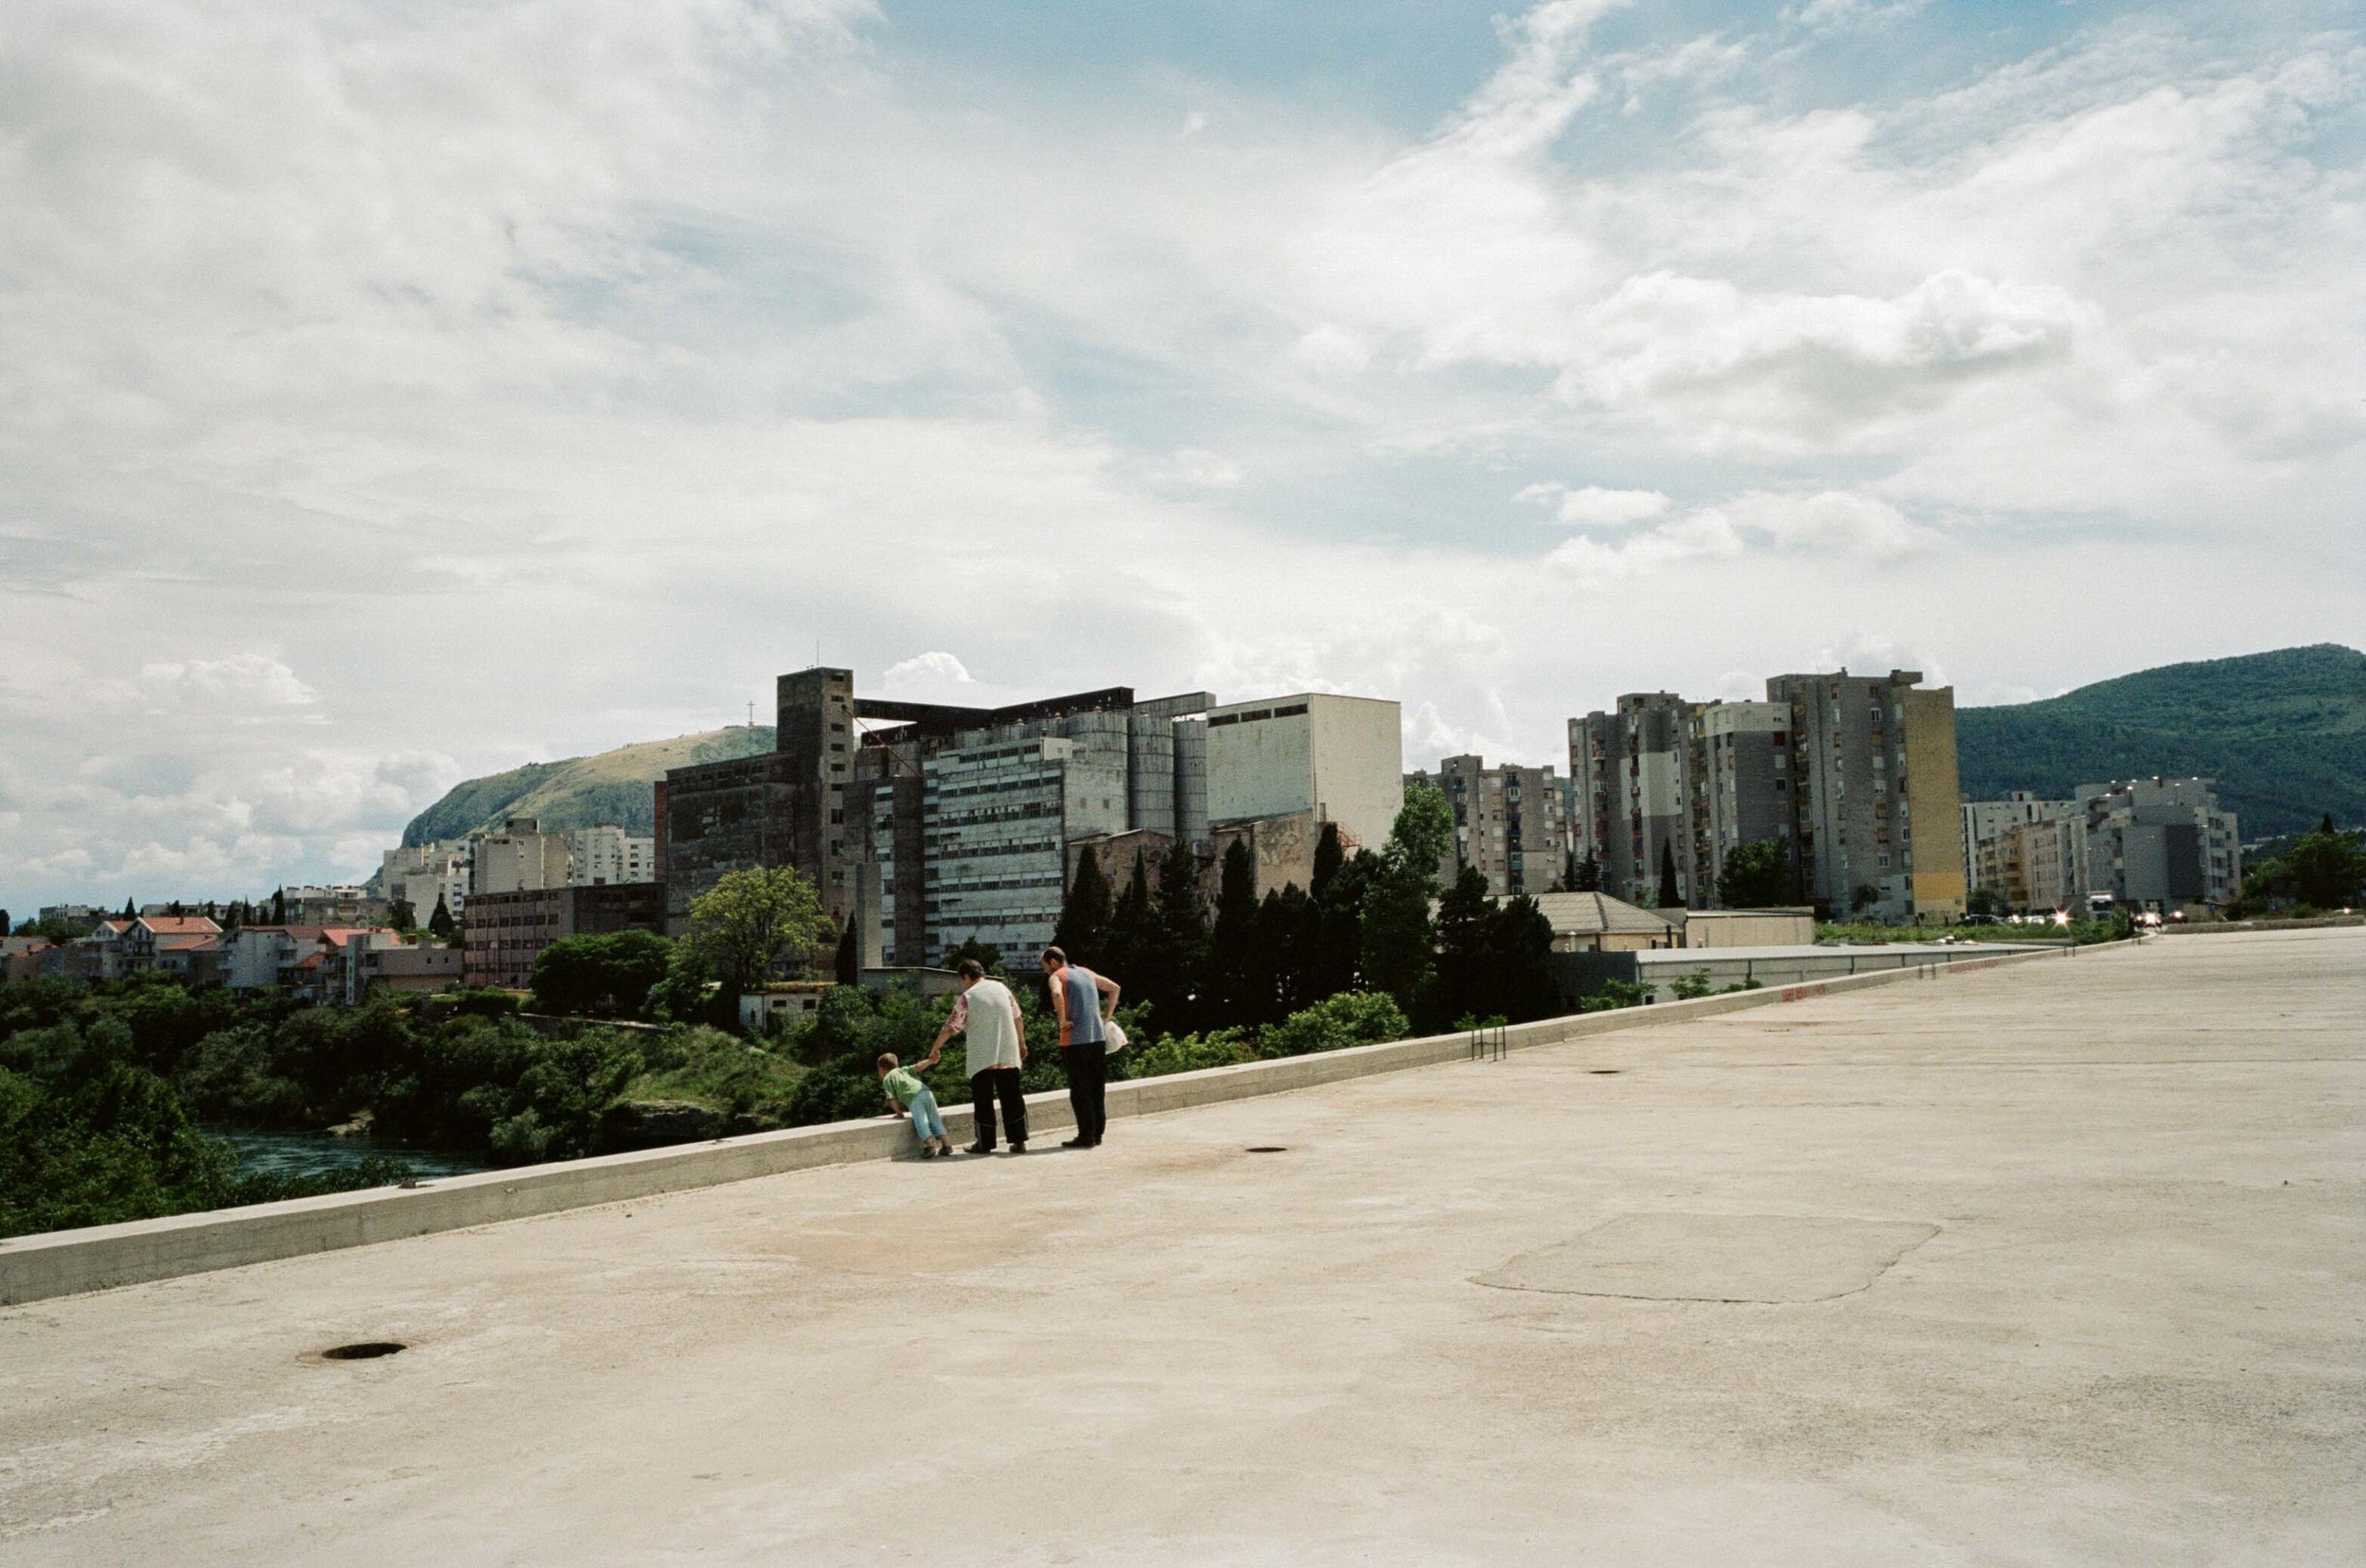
{"points": [[2209, 927], [67, 1262]]}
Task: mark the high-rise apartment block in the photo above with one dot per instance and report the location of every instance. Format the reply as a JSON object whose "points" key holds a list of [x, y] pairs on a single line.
{"points": [[424, 875], [1997, 856], [1509, 822], [1856, 774], [606, 856], [2160, 844], [1626, 771], [1738, 787], [1877, 829], [925, 826], [519, 858]]}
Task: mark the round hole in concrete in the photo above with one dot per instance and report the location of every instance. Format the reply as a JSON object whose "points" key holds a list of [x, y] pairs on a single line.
{"points": [[1269, 1149], [368, 1349]]}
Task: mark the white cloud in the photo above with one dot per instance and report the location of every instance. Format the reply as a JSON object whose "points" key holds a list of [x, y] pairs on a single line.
{"points": [[933, 672], [1791, 366], [241, 682], [1827, 524], [1593, 506]]}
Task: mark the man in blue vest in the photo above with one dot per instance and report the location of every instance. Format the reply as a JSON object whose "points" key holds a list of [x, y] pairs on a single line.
{"points": [[1083, 1003]]}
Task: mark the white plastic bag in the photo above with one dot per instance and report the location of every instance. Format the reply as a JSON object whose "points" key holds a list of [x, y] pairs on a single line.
{"points": [[1116, 1037]]}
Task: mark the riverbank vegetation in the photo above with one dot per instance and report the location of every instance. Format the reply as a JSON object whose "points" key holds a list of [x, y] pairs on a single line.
{"points": [[106, 1089]]}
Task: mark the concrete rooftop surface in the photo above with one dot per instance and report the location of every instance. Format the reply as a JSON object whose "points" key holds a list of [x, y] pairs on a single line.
{"points": [[2058, 1262]]}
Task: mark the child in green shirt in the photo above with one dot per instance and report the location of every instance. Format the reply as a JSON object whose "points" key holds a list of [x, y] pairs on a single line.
{"points": [[903, 1085]]}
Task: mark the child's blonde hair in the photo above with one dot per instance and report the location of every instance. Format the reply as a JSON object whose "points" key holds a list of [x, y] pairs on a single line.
{"points": [[888, 1061]]}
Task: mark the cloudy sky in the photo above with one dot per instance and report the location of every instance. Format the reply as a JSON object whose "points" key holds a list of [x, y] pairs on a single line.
{"points": [[396, 390]]}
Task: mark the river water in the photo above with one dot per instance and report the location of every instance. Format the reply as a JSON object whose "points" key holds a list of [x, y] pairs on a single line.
{"points": [[318, 1153]]}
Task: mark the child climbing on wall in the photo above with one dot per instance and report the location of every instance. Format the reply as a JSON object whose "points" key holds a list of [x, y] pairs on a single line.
{"points": [[905, 1092]]}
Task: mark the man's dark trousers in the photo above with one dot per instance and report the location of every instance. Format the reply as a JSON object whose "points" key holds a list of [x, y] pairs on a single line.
{"points": [[984, 1087], [1087, 1069]]}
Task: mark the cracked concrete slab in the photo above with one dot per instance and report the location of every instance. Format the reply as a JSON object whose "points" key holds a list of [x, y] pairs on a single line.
{"points": [[1766, 1258]]}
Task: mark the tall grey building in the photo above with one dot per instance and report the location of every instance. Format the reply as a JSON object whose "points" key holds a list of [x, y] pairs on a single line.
{"points": [[1738, 785], [1510, 822], [2160, 844], [1627, 775], [1998, 859], [1875, 794]]}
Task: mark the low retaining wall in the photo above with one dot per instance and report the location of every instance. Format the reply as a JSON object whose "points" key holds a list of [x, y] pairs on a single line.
{"points": [[2210, 928], [67, 1262]]}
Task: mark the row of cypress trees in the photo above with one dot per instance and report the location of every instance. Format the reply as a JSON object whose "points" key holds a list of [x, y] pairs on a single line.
{"points": [[1371, 920]]}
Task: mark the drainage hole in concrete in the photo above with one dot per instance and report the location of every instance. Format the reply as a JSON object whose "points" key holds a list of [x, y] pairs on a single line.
{"points": [[1606, 1072], [369, 1350], [1269, 1149]]}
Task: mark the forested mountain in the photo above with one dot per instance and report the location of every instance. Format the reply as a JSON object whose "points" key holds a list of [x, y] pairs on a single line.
{"points": [[2283, 732], [578, 792]]}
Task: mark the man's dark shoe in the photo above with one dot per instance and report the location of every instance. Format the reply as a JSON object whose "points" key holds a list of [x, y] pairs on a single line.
{"points": [[1018, 1148], [1076, 1143], [981, 1149]]}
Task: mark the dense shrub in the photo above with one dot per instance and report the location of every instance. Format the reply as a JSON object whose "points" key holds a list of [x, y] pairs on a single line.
{"points": [[1350, 1019]]}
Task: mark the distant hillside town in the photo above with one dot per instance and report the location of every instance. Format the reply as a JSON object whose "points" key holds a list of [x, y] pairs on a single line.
{"points": [[926, 827]]}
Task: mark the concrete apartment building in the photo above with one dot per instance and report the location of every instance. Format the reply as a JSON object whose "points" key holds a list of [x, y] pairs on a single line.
{"points": [[795, 805], [1738, 787], [998, 820], [1626, 772], [1337, 759], [2044, 865], [520, 857], [1876, 794], [935, 823], [423, 875], [2160, 844], [507, 931], [1510, 822], [606, 854], [1994, 856]]}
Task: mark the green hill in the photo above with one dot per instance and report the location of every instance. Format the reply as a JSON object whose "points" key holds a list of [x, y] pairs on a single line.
{"points": [[579, 792], [2284, 733]]}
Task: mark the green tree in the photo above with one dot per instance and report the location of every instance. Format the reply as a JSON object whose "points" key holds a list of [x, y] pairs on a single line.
{"points": [[278, 907], [1525, 984], [989, 957], [1178, 963], [439, 924], [1232, 970], [1133, 940], [1668, 896], [1330, 858], [752, 923], [1397, 934], [1587, 876], [2327, 867], [1335, 963], [1755, 876], [608, 975], [1083, 929], [1984, 900], [1464, 976], [401, 915], [1288, 944]]}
